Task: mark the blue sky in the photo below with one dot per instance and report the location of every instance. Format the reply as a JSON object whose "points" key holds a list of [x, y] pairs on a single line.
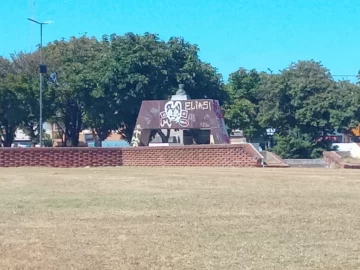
{"points": [[257, 34]]}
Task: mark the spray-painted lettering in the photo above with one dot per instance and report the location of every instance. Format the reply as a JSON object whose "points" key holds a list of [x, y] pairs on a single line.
{"points": [[197, 105]]}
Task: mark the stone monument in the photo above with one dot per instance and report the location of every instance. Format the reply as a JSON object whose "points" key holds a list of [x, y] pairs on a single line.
{"points": [[182, 116]]}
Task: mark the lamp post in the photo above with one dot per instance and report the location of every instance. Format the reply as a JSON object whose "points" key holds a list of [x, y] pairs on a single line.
{"points": [[270, 132], [42, 69]]}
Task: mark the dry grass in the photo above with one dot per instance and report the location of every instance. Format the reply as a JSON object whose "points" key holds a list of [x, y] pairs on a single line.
{"points": [[192, 218]]}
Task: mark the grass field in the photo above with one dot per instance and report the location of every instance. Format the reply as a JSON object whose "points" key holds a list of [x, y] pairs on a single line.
{"points": [[182, 218]]}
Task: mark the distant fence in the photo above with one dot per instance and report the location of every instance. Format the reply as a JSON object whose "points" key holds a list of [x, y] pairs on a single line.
{"points": [[235, 155]]}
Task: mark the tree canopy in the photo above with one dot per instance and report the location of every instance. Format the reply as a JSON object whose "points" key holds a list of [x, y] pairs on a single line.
{"points": [[100, 84], [303, 103]]}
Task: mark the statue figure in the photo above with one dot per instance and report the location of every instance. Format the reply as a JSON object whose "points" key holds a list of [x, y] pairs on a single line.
{"points": [[181, 90]]}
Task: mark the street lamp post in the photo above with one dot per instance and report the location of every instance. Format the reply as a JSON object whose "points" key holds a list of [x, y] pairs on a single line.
{"points": [[42, 69], [270, 132]]}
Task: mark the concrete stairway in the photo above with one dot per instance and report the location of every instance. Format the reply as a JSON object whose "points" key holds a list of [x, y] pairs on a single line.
{"points": [[272, 160]]}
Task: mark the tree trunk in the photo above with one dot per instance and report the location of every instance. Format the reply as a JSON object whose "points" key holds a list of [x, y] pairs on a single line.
{"points": [[62, 134], [63, 139], [102, 134], [7, 144], [33, 138], [73, 136], [128, 129], [28, 128], [74, 140], [73, 124], [8, 136]]}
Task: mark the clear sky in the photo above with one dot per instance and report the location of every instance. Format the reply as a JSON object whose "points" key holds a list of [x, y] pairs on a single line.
{"points": [[257, 34]]}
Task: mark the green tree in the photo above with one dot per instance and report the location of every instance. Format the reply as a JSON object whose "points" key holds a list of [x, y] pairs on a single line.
{"points": [[242, 107], [300, 98], [143, 67], [133, 69], [27, 67], [296, 144], [12, 109], [201, 79], [72, 81], [345, 110]]}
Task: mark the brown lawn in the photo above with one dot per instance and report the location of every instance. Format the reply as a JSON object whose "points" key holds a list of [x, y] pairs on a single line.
{"points": [[181, 218]]}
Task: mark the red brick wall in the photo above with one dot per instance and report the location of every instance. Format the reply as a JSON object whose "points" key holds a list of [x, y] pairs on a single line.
{"points": [[60, 157], [241, 155], [199, 155], [334, 160]]}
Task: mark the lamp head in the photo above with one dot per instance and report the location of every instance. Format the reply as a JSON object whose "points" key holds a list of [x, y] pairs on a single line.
{"points": [[41, 23]]}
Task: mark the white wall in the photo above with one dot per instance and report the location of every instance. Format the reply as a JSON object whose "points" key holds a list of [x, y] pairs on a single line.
{"points": [[48, 128], [20, 135], [353, 148]]}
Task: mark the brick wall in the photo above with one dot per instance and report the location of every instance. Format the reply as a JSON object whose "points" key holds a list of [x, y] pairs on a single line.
{"points": [[60, 157], [241, 155], [334, 160]]}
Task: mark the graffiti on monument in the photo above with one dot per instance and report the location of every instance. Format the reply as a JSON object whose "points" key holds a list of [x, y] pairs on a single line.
{"points": [[197, 105], [135, 141], [175, 112], [221, 123]]}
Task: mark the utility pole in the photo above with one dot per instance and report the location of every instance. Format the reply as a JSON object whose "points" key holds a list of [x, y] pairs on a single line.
{"points": [[42, 70]]}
